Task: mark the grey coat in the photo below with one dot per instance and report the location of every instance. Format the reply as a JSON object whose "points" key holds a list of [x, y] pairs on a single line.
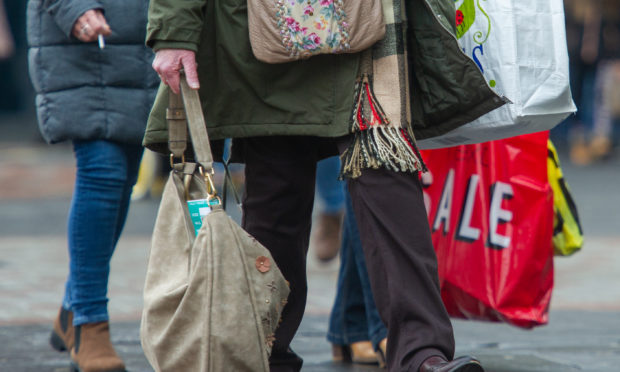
{"points": [[84, 93]]}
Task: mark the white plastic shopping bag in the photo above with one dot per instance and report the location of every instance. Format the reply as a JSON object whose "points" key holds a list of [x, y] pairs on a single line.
{"points": [[520, 47]]}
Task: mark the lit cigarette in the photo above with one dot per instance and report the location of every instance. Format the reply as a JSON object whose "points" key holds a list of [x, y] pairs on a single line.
{"points": [[101, 41]]}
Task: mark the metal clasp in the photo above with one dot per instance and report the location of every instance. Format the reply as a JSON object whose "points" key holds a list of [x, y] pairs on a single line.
{"points": [[211, 190], [172, 159]]}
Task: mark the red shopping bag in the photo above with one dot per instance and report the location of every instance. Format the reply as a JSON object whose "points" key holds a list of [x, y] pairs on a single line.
{"points": [[490, 209]]}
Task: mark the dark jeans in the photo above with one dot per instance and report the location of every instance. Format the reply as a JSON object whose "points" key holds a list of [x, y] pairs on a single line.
{"points": [[106, 173], [401, 262], [354, 316]]}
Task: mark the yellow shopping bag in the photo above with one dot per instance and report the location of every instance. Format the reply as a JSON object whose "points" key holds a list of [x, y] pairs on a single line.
{"points": [[567, 232]]}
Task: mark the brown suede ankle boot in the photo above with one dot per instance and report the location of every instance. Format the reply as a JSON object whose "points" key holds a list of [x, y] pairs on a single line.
{"points": [[358, 352], [93, 350], [61, 338], [326, 235]]}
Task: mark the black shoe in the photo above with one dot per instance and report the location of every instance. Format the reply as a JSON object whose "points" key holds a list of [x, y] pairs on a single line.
{"points": [[462, 364], [286, 361]]}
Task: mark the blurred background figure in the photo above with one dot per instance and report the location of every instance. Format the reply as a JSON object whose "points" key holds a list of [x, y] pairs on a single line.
{"points": [[593, 36], [607, 82], [356, 331], [327, 225], [152, 176], [7, 46], [581, 38], [97, 95], [16, 95]]}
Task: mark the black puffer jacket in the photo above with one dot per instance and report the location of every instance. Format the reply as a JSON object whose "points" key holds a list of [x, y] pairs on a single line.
{"points": [[83, 92]]}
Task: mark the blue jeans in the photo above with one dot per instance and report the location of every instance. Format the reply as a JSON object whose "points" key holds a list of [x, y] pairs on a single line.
{"points": [[354, 316], [330, 190], [106, 173]]}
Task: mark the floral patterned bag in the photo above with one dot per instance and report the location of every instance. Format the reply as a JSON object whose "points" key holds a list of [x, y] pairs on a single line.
{"points": [[288, 30]]}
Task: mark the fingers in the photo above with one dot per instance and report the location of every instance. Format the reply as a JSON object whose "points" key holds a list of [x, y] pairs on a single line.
{"points": [[98, 23], [191, 72], [168, 63], [162, 64], [102, 26], [81, 29], [90, 25], [174, 81]]}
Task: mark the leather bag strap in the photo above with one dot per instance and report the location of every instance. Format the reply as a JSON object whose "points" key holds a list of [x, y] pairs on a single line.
{"points": [[177, 127], [196, 123], [197, 126]]}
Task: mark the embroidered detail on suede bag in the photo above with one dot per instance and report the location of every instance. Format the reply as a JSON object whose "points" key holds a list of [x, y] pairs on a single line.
{"points": [[288, 30]]}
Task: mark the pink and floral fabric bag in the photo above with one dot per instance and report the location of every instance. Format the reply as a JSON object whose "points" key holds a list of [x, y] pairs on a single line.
{"points": [[288, 30]]}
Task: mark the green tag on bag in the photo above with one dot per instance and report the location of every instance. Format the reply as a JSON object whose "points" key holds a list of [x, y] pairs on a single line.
{"points": [[198, 209]]}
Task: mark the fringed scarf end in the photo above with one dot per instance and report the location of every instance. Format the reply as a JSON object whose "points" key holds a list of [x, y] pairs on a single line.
{"points": [[379, 147], [376, 143]]}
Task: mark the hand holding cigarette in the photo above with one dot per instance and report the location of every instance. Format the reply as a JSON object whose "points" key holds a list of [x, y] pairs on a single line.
{"points": [[91, 26]]}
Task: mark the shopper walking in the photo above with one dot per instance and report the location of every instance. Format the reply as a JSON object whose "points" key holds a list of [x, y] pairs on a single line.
{"points": [[94, 88], [606, 91], [285, 117]]}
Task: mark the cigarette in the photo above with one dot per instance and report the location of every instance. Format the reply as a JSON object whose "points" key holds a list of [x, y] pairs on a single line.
{"points": [[101, 41]]}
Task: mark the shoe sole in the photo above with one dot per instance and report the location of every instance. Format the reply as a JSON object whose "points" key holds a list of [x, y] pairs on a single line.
{"points": [[57, 343], [76, 368], [365, 360], [469, 367]]}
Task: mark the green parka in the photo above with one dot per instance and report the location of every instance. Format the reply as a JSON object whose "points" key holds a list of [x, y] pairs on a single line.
{"points": [[243, 97]]}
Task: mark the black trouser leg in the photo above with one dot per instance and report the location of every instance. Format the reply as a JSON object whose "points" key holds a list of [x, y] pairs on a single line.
{"points": [[277, 211], [402, 266]]}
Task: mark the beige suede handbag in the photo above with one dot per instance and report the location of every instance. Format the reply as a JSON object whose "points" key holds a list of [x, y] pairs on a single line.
{"points": [[288, 30], [213, 295]]}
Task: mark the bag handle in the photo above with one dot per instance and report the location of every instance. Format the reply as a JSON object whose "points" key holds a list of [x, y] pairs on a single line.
{"points": [[197, 126], [185, 110], [192, 118]]}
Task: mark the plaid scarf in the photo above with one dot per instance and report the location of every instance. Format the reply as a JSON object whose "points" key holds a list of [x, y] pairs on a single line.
{"points": [[381, 119]]}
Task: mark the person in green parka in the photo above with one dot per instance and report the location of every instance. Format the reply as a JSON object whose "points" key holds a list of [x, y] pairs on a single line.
{"points": [[368, 107]]}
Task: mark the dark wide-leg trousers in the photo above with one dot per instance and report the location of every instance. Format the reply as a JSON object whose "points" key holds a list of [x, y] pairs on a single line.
{"points": [[402, 266]]}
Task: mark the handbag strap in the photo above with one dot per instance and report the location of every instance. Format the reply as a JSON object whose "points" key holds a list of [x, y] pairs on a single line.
{"points": [[185, 110], [193, 118], [177, 127]]}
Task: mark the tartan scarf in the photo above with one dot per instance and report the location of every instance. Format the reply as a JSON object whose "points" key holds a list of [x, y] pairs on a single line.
{"points": [[381, 118]]}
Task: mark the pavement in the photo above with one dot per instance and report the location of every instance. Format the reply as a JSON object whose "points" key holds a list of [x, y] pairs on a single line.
{"points": [[36, 180]]}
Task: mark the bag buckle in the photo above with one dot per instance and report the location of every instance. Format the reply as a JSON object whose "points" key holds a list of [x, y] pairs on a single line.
{"points": [[172, 157]]}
